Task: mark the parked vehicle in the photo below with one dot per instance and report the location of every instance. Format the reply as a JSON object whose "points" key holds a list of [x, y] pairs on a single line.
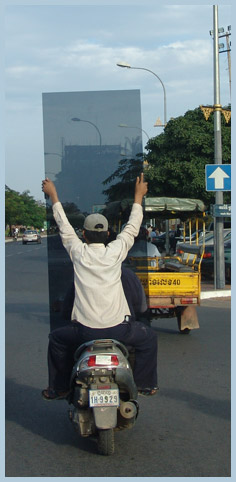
{"points": [[31, 236], [103, 392], [160, 241], [208, 240], [208, 261]]}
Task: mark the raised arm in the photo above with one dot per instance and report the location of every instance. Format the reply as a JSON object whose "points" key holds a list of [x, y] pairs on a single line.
{"points": [[132, 227], [67, 232], [48, 187], [141, 188]]}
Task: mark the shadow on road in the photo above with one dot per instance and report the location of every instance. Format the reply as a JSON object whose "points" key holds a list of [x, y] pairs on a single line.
{"points": [[210, 406], [30, 311], [25, 407]]}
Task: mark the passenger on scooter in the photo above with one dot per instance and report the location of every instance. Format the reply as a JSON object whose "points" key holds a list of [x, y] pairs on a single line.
{"points": [[100, 308]]}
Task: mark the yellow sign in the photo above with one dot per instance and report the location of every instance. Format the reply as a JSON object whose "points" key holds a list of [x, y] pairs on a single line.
{"points": [[207, 110]]}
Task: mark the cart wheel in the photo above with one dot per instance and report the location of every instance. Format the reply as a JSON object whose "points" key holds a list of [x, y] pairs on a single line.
{"points": [[186, 331], [106, 443]]}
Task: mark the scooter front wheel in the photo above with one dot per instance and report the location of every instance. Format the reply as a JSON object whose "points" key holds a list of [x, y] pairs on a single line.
{"points": [[106, 442]]}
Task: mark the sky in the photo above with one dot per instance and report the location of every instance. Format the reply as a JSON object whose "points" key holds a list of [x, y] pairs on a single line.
{"points": [[70, 48]]}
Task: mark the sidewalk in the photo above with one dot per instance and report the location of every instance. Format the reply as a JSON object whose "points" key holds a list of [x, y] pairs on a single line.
{"points": [[10, 240], [208, 290]]}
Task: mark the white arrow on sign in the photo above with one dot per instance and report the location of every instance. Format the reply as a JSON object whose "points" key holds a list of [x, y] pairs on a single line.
{"points": [[219, 175]]}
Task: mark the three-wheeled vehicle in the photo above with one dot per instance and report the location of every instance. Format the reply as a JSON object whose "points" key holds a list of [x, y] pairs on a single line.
{"points": [[172, 282]]}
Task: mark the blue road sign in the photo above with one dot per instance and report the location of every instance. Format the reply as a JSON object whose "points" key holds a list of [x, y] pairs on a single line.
{"points": [[219, 210], [218, 177]]}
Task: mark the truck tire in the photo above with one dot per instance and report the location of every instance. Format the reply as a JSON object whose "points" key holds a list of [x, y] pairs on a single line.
{"points": [[106, 442]]}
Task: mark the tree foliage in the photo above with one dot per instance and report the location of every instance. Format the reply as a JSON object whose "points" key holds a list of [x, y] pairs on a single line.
{"points": [[178, 156], [126, 173], [176, 160], [74, 215], [22, 209]]}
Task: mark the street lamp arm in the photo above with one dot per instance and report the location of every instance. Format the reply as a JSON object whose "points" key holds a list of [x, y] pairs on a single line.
{"points": [[164, 90], [134, 127], [76, 119], [125, 65], [52, 154], [148, 70]]}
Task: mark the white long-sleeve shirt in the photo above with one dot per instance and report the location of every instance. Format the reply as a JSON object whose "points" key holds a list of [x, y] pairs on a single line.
{"points": [[99, 297]]}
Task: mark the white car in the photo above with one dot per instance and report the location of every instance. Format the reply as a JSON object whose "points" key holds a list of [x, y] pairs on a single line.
{"points": [[31, 236]]}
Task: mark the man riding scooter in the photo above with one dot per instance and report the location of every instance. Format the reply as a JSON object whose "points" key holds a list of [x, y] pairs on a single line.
{"points": [[100, 308]]}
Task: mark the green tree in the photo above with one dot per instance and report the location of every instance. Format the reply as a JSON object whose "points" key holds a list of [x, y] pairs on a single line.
{"points": [[126, 174], [23, 209], [176, 160], [178, 156], [74, 215]]}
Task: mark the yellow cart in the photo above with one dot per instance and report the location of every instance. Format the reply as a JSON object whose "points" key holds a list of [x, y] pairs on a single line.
{"points": [[172, 284]]}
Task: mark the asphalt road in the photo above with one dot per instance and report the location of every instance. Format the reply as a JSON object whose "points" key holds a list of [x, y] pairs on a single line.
{"points": [[184, 431]]}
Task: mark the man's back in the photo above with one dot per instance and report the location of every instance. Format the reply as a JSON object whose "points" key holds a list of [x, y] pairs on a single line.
{"points": [[99, 297]]}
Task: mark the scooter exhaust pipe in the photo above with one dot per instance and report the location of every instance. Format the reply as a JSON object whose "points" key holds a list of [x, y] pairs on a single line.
{"points": [[128, 410]]}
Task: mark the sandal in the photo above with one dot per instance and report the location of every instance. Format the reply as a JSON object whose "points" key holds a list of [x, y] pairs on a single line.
{"points": [[50, 394], [148, 392]]}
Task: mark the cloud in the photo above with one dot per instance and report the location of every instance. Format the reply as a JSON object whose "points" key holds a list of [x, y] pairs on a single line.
{"points": [[62, 48], [17, 71]]}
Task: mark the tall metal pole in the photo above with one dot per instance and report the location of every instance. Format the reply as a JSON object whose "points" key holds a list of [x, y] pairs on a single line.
{"points": [[219, 224]]}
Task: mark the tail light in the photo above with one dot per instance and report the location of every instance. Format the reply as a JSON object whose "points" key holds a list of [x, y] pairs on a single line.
{"points": [[207, 255], [188, 301], [101, 360]]}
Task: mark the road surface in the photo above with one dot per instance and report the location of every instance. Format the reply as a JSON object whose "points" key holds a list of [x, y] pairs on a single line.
{"points": [[184, 431]]}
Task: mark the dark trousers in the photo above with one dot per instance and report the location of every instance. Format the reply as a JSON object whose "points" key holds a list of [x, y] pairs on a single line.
{"points": [[64, 341]]}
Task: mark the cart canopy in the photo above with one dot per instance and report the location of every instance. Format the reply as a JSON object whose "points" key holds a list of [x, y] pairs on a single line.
{"points": [[164, 207]]}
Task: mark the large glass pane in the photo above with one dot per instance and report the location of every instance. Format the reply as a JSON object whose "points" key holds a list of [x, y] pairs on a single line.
{"points": [[87, 135]]}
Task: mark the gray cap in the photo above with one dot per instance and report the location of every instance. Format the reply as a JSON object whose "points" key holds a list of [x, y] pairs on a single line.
{"points": [[96, 222]]}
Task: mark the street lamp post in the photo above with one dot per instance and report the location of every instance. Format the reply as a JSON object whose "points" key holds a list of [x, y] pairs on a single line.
{"points": [[53, 154], [76, 119], [134, 127], [125, 65], [145, 163]]}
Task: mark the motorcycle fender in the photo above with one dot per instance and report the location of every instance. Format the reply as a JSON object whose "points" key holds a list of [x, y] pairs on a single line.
{"points": [[105, 417]]}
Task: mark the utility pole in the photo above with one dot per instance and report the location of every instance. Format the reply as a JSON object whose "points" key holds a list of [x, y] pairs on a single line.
{"points": [[219, 221], [219, 262]]}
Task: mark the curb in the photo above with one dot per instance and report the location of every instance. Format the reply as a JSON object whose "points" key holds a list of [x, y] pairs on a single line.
{"points": [[9, 240], [215, 294]]}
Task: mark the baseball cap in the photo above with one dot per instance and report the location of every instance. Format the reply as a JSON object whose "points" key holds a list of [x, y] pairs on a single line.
{"points": [[96, 222]]}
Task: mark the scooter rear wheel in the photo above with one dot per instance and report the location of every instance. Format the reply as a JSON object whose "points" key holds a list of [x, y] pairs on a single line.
{"points": [[106, 442]]}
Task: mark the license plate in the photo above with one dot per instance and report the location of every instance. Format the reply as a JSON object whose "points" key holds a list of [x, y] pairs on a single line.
{"points": [[104, 398]]}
